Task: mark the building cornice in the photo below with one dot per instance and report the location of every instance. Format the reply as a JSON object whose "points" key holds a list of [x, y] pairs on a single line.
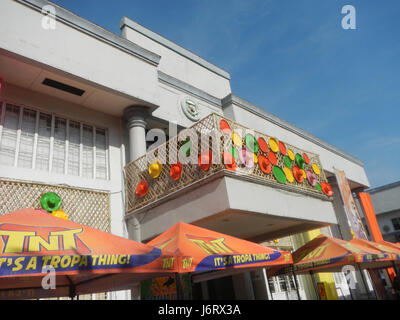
{"points": [[383, 188], [185, 87], [93, 30], [237, 101], [173, 46]]}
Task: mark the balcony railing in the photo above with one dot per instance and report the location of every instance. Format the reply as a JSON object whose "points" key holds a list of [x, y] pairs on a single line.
{"points": [[235, 150]]}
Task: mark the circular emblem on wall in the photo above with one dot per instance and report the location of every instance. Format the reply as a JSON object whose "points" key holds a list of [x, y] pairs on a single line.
{"points": [[190, 108]]}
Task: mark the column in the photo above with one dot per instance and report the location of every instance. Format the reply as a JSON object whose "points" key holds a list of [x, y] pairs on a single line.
{"points": [[136, 124], [135, 117]]}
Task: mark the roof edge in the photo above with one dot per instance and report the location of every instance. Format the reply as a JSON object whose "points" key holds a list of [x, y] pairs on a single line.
{"points": [[89, 28], [240, 102], [125, 21], [384, 187]]}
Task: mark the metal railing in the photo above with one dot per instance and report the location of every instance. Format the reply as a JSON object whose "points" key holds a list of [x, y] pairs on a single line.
{"points": [[225, 139]]}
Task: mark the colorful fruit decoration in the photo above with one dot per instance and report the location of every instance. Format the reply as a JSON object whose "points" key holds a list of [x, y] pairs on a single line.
{"points": [[60, 214], [298, 175], [205, 160], [304, 174], [246, 158], [273, 145], [142, 188], [155, 169], [282, 148], [288, 174], [262, 144], [300, 161], [186, 147], [234, 152], [251, 143], [264, 164], [312, 179], [272, 158], [306, 158], [224, 126], [288, 162], [50, 201], [290, 154], [255, 158], [229, 161], [175, 171], [318, 187], [327, 189], [316, 169], [279, 174], [236, 139]]}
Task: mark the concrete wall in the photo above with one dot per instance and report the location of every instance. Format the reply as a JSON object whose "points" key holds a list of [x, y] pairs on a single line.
{"points": [[230, 194], [170, 109], [385, 221], [75, 52], [30, 99], [386, 198], [179, 65]]}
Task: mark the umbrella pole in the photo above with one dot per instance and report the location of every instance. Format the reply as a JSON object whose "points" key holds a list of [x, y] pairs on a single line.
{"points": [[179, 291], [395, 269], [364, 281], [315, 285], [297, 285]]}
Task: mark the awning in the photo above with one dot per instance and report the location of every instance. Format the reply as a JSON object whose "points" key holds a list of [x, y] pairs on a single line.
{"points": [[199, 250], [328, 254], [85, 260], [390, 249]]}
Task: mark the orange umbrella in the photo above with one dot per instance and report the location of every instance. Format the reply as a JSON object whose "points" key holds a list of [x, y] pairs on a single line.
{"points": [[85, 260], [391, 250], [198, 249], [328, 254]]}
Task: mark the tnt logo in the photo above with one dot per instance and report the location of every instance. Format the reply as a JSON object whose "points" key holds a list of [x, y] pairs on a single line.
{"points": [[316, 253], [20, 239], [210, 245]]}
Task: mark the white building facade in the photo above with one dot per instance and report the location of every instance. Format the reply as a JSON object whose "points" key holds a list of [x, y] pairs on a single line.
{"points": [[77, 102], [387, 209]]}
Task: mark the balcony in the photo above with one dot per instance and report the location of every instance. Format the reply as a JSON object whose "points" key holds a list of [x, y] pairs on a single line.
{"points": [[252, 181]]}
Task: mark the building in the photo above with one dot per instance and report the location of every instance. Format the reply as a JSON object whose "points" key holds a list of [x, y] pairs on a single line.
{"points": [[387, 209], [76, 104]]}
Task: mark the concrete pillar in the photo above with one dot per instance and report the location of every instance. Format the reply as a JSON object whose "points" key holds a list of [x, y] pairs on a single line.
{"points": [[135, 118], [136, 124]]}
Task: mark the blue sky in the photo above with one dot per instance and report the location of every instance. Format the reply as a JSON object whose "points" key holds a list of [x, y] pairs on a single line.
{"points": [[293, 59]]}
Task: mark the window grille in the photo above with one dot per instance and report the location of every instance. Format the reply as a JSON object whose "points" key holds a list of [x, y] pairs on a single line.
{"points": [[41, 141]]}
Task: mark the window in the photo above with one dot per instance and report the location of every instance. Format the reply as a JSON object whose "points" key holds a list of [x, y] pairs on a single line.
{"points": [[271, 284], [41, 141], [283, 285], [396, 223]]}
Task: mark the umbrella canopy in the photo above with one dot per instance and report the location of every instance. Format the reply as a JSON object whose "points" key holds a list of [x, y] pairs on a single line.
{"points": [[328, 254], [391, 250], [85, 260], [198, 250]]}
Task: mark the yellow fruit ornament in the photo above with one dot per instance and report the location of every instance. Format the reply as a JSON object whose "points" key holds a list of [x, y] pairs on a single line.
{"points": [[60, 214]]}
